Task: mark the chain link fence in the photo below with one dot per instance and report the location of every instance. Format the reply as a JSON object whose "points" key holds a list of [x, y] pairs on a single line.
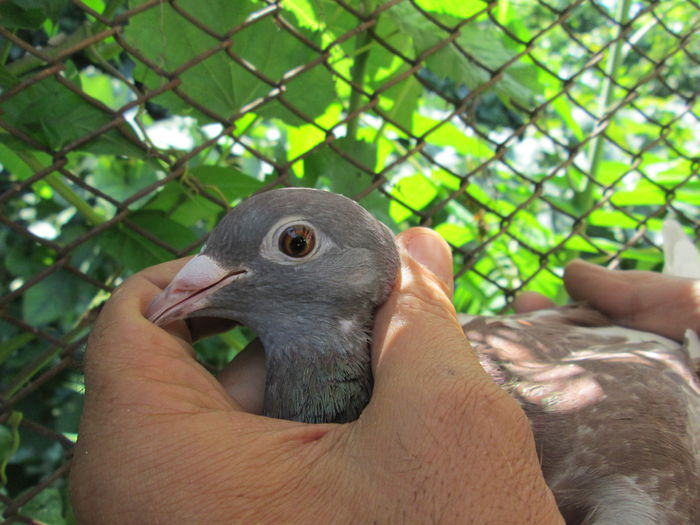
{"points": [[526, 133]]}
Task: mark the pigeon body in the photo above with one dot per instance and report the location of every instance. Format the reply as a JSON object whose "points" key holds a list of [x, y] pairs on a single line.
{"points": [[615, 412]]}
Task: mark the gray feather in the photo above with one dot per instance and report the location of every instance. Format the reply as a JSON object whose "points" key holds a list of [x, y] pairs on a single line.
{"points": [[318, 366]]}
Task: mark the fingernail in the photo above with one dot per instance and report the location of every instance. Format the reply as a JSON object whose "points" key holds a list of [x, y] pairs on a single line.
{"points": [[432, 252]]}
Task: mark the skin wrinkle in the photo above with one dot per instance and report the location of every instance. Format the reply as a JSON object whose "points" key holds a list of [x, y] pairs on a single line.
{"points": [[417, 478], [401, 333], [279, 458], [348, 468], [491, 444], [193, 387], [337, 485]]}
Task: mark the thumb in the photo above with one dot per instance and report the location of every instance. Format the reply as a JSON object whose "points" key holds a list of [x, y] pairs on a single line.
{"points": [[434, 412], [419, 347]]}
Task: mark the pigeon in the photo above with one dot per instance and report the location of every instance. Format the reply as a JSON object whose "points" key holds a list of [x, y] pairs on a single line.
{"points": [[305, 270], [615, 412]]}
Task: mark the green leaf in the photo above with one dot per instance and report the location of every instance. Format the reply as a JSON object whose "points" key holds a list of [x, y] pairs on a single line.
{"points": [[104, 88], [401, 101], [594, 245], [445, 179], [54, 115], [121, 178], [304, 13], [598, 245], [301, 139], [14, 343], [608, 171], [15, 165], [456, 234], [49, 299], [334, 172], [608, 218], [228, 182], [458, 8], [96, 5], [131, 249], [646, 195], [518, 82], [415, 191], [339, 174], [448, 135], [218, 82], [136, 252], [163, 228], [562, 106], [29, 14], [7, 79], [186, 207], [46, 507]]}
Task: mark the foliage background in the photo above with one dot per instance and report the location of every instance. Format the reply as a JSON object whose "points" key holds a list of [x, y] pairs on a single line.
{"points": [[526, 133]]}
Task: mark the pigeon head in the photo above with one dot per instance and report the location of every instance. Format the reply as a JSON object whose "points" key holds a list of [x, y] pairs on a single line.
{"points": [[305, 269]]}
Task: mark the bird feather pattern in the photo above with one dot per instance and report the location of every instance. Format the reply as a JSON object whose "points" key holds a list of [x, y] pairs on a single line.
{"points": [[615, 412]]}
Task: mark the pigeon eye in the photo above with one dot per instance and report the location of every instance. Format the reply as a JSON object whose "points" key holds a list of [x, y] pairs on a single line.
{"points": [[297, 241]]}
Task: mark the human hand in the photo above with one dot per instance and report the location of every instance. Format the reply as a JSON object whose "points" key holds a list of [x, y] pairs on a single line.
{"points": [[650, 301], [162, 441]]}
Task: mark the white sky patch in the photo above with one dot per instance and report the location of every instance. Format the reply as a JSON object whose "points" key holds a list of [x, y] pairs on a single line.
{"points": [[212, 130], [43, 229], [174, 132], [273, 134]]}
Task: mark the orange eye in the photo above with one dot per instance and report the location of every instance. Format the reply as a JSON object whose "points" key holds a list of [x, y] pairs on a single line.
{"points": [[297, 241]]}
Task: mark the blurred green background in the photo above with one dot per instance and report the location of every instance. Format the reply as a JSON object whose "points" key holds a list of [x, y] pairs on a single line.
{"points": [[526, 133]]}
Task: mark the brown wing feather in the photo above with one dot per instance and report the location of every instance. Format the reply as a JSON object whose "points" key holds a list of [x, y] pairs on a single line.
{"points": [[615, 412]]}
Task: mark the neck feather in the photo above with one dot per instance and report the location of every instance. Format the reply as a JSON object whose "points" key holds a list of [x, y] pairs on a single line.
{"points": [[326, 383]]}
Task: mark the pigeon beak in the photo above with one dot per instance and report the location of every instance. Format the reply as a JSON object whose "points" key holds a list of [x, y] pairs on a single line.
{"points": [[191, 290]]}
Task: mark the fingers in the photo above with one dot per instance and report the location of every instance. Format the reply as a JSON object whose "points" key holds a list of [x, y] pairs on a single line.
{"points": [[531, 301], [423, 291], [131, 359], [649, 301], [432, 252], [435, 413], [244, 377], [418, 345], [606, 290]]}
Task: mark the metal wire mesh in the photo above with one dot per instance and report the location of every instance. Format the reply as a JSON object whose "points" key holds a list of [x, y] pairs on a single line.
{"points": [[526, 133]]}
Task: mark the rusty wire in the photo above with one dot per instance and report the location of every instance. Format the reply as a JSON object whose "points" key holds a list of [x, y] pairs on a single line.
{"points": [[58, 348]]}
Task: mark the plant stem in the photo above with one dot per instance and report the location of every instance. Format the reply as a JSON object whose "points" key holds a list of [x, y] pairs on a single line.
{"points": [[29, 371], [13, 422], [358, 76], [64, 190], [583, 198], [5, 50]]}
